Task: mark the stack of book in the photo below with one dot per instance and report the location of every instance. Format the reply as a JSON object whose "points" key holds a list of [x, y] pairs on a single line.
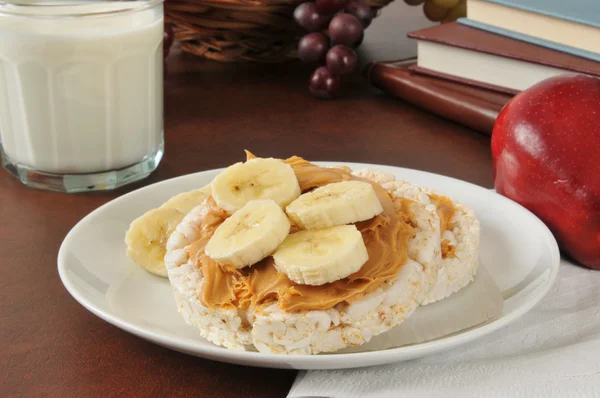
{"points": [[506, 46], [509, 45]]}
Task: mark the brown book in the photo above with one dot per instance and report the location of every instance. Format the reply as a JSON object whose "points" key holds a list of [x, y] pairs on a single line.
{"points": [[473, 56], [467, 105], [463, 80]]}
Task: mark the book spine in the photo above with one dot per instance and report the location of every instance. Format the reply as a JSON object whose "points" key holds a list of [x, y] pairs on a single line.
{"points": [[456, 102], [470, 82]]}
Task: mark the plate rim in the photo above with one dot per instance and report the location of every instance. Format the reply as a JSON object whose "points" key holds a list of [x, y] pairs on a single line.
{"points": [[337, 360]]}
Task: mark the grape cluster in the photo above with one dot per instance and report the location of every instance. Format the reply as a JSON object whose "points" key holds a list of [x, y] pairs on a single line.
{"points": [[441, 10], [344, 21]]}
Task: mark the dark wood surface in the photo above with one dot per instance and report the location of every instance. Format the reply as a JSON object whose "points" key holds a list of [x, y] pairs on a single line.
{"points": [[52, 346]]}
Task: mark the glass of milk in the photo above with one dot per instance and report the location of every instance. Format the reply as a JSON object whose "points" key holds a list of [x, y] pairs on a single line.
{"points": [[81, 92]]}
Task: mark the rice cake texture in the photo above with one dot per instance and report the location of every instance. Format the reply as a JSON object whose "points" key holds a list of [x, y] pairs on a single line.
{"points": [[308, 332]]}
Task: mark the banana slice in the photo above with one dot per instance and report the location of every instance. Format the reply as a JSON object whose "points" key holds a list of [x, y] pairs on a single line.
{"points": [[319, 256], [335, 204], [147, 237], [256, 179], [186, 201], [249, 235]]}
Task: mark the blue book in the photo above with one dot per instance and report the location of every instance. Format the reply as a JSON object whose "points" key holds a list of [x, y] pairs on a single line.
{"points": [[530, 39], [571, 26], [585, 12]]}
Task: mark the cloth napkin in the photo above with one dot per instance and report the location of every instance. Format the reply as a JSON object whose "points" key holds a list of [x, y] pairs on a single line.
{"points": [[552, 351]]}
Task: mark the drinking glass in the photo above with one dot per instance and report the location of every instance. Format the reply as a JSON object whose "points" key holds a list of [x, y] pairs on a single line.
{"points": [[81, 93]]}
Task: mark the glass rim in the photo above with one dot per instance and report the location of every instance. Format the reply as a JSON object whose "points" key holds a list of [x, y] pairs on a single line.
{"points": [[73, 8]]}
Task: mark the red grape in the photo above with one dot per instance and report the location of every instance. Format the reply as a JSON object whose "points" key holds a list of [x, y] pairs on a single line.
{"points": [[313, 47], [307, 16], [346, 29], [324, 84], [168, 38], [329, 7], [341, 60], [360, 10]]}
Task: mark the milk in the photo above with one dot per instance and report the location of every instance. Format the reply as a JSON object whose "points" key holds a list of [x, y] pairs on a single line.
{"points": [[81, 94]]}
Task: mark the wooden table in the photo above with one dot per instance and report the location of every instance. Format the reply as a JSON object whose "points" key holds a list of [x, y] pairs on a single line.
{"points": [[52, 346]]}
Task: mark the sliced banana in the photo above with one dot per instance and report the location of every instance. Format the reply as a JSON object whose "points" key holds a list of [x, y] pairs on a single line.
{"points": [[319, 256], [255, 179], [335, 204], [186, 201], [147, 237], [249, 235]]}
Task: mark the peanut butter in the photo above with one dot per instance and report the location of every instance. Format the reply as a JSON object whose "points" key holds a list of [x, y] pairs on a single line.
{"points": [[386, 237], [445, 210]]}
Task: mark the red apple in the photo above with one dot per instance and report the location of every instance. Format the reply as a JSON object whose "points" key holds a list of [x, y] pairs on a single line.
{"points": [[546, 151]]}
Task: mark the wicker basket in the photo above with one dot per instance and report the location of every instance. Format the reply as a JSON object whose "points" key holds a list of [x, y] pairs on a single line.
{"points": [[239, 30]]}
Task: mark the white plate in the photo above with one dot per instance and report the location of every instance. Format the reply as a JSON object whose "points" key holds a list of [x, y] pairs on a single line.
{"points": [[517, 249]]}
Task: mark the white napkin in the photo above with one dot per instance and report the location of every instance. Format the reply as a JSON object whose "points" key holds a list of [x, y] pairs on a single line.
{"points": [[552, 351]]}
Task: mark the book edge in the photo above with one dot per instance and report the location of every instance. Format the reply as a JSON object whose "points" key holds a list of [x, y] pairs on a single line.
{"points": [[504, 54], [469, 82], [530, 39], [553, 14]]}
